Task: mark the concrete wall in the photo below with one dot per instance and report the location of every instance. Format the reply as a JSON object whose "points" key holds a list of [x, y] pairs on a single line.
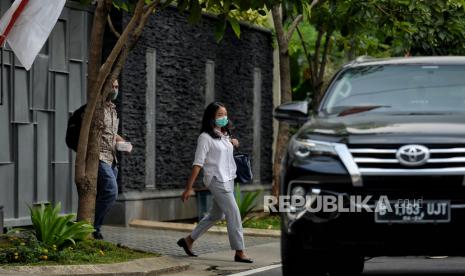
{"points": [[183, 56], [175, 70]]}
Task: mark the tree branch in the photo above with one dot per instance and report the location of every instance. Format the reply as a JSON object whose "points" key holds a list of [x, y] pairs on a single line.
{"points": [[96, 39], [106, 68], [292, 28], [325, 56], [316, 57], [112, 28], [152, 5], [313, 4], [278, 25], [95, 59], [308, 56]]}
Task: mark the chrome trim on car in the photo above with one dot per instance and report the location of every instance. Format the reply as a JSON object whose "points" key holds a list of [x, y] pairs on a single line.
{"points": [[447, 160], [395, 161], [450, 150], [373, 150], [374, 160], [435, 171], [348, 161]]}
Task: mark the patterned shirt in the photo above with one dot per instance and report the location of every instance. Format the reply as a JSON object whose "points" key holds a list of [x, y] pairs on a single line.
{"points": [[109, 132]]}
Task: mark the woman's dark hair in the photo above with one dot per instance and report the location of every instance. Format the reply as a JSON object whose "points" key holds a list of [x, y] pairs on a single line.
{"points": [[208, 120]]}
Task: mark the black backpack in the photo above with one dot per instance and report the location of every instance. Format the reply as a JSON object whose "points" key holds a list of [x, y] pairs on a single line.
{"points": [[74, 128]]}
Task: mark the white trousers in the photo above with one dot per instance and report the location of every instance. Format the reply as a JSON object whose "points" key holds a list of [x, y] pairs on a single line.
{"points": [[223, 205]]}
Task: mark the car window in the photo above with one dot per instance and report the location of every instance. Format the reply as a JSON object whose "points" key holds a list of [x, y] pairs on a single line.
{"points": [[399, 88]]}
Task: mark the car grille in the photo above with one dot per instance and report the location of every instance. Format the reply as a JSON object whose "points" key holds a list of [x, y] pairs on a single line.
{"points": [[381, 160]]}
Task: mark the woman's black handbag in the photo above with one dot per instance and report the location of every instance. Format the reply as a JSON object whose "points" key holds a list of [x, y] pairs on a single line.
{"points": [[244, 169]]}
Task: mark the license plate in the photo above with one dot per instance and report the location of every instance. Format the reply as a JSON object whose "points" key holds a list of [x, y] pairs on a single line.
{"points": [[413, 211]]}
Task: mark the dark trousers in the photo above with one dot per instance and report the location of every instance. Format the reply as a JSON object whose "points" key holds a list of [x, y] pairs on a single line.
{"points": [[107, 192]]}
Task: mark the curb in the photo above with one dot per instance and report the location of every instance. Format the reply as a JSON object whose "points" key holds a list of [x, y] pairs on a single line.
{"points": [[185, 227], [144, 266]]}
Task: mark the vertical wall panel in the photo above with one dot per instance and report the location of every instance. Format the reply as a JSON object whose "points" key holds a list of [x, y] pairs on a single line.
{"points": [[74, 194], [257, 124], [7, 194], [75, 88], [21, 96], [58, 40], [40, 95], [5, 126], [25, 168], [61, 186], [61, 118], [43, 155], [76, 29], [209, 82], [150, 97]]}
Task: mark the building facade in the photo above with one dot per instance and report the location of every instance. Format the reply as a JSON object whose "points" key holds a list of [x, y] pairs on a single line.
{"points": [[172, 74]]}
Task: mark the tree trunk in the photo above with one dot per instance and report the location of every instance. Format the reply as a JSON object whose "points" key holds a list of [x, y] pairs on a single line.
{"points": [[88, 153], [286, 92], [86, 167]]}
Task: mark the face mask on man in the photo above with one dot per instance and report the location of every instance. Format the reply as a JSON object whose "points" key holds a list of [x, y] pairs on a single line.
{"points": [[221, 122], [113, 94]]}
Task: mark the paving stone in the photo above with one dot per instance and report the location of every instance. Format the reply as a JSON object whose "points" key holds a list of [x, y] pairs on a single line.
{"points": [[164, 241]]}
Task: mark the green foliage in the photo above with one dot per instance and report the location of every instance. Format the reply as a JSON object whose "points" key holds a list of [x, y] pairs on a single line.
{"points": [[423, 27], [246, 202], [53, 229], [229, 12], [272, 222], [379, 28], [22, 248]]}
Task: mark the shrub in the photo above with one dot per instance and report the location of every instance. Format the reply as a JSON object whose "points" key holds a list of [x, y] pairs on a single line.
{"points": [[246, 202], [54, 229]]}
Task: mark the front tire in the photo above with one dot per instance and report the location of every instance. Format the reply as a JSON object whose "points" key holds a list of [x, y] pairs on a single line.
{"points": [[296, 260], [348, 265]]}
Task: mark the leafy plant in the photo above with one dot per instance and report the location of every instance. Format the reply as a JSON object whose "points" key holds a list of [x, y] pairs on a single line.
{"points": [[246, 202], [22, 248], [51, 228]]}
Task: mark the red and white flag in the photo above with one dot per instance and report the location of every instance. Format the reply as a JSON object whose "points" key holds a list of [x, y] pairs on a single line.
{"points": [[26, 26]]}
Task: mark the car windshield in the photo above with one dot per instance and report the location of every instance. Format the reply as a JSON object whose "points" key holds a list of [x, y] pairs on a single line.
{"points": [[398, 88]]}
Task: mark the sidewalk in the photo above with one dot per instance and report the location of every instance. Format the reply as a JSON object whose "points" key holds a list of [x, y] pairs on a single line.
{"points": [[146, 266], [164, 241], [215, 255]]}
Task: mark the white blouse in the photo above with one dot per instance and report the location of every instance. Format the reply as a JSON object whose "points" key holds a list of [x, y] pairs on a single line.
{"points": [[215, 156]]}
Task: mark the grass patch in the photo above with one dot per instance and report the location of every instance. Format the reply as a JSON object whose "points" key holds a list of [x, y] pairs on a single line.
{"points": [[16, 251], [267, 222], [260, 221]]}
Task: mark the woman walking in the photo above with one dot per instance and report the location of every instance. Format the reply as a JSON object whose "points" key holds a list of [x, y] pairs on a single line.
{"points": [[214, 154]]}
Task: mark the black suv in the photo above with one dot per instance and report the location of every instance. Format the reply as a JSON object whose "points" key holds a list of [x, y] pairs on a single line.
{"points": [[392, 132]]}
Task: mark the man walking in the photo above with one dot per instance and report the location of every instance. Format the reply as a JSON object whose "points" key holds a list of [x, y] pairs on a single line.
{"points": [[107, 187]]}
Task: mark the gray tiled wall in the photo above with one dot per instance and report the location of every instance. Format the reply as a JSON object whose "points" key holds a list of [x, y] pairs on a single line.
{"points": [[35, 164]]}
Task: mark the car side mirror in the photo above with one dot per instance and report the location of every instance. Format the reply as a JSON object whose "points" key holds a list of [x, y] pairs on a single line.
{"points": [[292, 112]]}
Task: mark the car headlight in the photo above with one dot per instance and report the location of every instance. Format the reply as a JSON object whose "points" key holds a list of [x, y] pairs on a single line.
{"points": [[302, 148], [298, 191]]}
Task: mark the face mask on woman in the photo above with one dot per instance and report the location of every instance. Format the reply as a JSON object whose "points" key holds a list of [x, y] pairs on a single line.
{"points": [[221, 122]]}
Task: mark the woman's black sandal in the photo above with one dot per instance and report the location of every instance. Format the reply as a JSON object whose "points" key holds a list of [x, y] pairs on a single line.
{"points": [[182, 243], [240, 260]]}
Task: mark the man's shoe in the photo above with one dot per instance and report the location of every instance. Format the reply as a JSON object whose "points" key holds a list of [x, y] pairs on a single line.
{"points": [[182, 243], [240, 260], [97, 235]]}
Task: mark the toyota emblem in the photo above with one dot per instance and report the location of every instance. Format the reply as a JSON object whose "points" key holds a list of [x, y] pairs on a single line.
{"points": [[412, 155]]}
